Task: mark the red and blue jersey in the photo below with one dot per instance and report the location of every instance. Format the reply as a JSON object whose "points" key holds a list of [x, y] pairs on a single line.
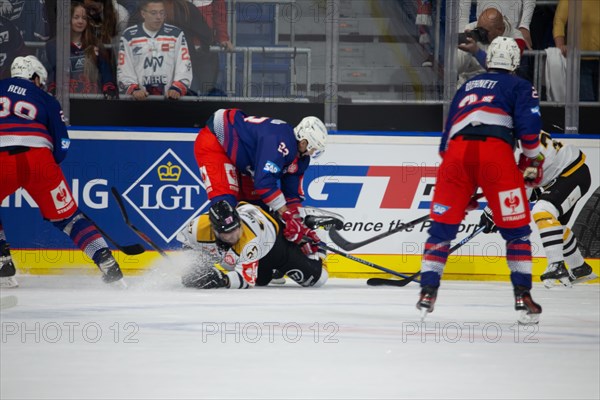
{"points": [[265, 149], [496, 104], [31, 117]]}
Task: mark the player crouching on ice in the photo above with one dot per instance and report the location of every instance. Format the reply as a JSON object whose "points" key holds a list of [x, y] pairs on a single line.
{"points": [[488, 115], [249, 243], [566, 179]]}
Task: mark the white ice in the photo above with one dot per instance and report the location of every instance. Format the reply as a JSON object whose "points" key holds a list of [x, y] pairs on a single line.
{"points": [[72, 337]]}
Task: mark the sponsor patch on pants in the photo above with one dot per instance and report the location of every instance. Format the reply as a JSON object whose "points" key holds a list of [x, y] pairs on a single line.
{"points": [[512, 205]]}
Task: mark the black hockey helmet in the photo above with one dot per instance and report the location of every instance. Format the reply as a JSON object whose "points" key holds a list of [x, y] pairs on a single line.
{"points": [[223, 217]]}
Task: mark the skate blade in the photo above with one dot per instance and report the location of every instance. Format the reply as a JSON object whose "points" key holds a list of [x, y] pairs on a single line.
{"points": [[278, 281], [120, 284], [551, 283], [424, 313], [586, 278], [566, 282], [528, 319]]}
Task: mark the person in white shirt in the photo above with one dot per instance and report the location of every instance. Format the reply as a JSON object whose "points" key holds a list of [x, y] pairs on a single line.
{"points": [[154, 58], [517, 12]]}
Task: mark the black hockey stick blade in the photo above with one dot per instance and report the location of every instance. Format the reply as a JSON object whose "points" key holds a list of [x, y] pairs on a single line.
{"points": [[130, 250], [406, 281], [137, 231], [392, 282], [349, 246], [361, 261], [325, 222]]}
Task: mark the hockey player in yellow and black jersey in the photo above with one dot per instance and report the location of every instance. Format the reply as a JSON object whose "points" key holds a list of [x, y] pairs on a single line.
{"points": [[246, 242], [566, 179]]}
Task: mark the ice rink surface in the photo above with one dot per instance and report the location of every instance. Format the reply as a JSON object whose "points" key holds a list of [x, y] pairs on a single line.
{"points": [[72, 337]]}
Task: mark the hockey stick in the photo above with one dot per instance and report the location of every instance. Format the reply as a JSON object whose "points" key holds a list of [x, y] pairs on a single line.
{"points": [[361, 261], [349, 246], [404, 282], [137, 231], [130, 250]]}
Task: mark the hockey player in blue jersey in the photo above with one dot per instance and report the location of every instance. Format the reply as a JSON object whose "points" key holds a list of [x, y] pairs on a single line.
{"points": [[260, 159], [488, 115], [33, 141]]}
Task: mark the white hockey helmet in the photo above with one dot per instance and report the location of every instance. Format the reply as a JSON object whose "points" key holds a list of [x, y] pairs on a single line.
{"points": [[27, 67], [314, 131], [503, 53]]}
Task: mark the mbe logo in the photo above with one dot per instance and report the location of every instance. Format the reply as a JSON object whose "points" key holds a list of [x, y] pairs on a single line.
{"points": [[167, 195]]}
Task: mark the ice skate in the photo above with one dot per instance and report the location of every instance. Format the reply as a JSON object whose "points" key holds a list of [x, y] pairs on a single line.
{"points": [[556, 271], [426, 300], [581, 274], [7, 269], [529, 310], [109, 267]]}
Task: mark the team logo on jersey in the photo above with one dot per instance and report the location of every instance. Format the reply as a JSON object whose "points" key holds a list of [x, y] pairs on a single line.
{"points": [[292, 168], [512, 205], [167, 195], [12, 10], [229, 259], [250, 271]]}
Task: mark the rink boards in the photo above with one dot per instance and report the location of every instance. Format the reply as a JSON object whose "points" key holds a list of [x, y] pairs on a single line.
{"points": [[375, 180]]}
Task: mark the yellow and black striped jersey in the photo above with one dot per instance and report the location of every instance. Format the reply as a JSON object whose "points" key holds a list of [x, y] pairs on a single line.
{"points": [[259, 231], [560, 159]]}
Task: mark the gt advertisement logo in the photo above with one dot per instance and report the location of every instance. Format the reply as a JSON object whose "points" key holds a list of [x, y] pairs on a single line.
{"points": [[370, 187], [167, 195]]}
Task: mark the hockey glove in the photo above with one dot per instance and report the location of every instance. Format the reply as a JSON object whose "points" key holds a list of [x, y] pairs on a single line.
{"points": [[205, 278], [487, 221], [532, 169], [109, 90], [309, 243], [294, 229]]}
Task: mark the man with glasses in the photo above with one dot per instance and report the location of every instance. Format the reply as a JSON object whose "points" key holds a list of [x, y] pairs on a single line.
{"points": [[154, 58]]}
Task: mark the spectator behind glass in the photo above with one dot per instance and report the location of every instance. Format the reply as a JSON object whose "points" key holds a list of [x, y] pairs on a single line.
{"points": [[517, 12], [470, 59], [589, 40], [91, 72], [107, 18], [154, 58], [424, 22], [11, 46], [183, 14], [215, 16], [29, 16]]}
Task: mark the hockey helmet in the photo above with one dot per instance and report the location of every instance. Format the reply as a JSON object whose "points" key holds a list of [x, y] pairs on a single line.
{"points": [[503, 53], [223, 217], [27, 68], [314, 131]]}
